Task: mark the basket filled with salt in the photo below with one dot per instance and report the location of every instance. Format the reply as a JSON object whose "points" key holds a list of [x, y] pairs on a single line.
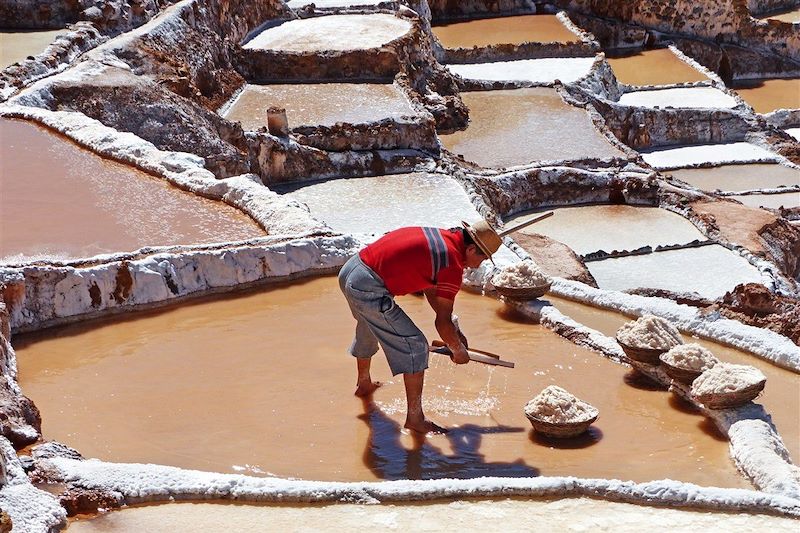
{"points": [[522, 281], [725, 385], [646, 338], [684, 363], [557, 413]]}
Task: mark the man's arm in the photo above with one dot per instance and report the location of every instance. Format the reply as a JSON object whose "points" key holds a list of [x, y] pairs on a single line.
{"points": [[446, 328]]}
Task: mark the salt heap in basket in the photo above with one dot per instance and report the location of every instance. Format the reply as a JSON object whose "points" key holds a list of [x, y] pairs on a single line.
{"points": [[686, 362], [646, 338], [557, 413], [725, 385], [523, 279]]}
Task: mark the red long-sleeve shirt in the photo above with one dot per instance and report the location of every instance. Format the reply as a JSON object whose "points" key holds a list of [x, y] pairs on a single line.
{"points": [[416, 258]]}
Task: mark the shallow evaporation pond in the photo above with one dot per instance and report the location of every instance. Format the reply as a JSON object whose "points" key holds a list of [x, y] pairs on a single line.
{"points": [[739, 177], [16, 46], [781, 397], [322, 4], [261, 383], [710, 271], [652, 67], [515, 127], [544, 70], [767, 95], [792, 16], [770, 201], [706, 154], [61, 201], [320, 104], [517, 514], [504, 30], [383, 203], [590, 228], [679, 97], [332, 32]]}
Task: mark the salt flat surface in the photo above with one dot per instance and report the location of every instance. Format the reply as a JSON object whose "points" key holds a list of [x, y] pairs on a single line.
{"points": [[544, 70], [772, 201], [383, 203], [794, 132], [689, 97], [323, 104], [590, 228], [710, 271], [334, 32], [687, 156], [575, 514]]}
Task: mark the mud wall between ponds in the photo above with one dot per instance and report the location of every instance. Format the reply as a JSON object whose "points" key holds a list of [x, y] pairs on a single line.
{"points": [[718, 21], [387, 134], [38, 14]]}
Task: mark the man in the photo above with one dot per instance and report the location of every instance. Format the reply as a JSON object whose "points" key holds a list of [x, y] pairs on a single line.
{"points": [[404, 261]]}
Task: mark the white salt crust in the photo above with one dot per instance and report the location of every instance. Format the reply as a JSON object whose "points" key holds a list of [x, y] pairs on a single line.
{"points": [[708, 154], [546, 70], [522, 275], [690, 356], [557, 406], [794, 132], [725, 378], [650, 331], [679, 97], [140, 483]]}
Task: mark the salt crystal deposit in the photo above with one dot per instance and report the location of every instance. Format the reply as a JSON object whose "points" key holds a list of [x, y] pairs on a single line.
{"points": [[650, 331], [690, 357], [725, 378], [522, 275], [557, 406]]}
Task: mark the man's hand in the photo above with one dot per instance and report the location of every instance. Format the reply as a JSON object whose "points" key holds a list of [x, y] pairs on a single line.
{"points": [[460, 356]]}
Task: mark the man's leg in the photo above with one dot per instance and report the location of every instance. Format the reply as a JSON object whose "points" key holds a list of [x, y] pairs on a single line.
{"points": [[415, 418], [365, 386]]}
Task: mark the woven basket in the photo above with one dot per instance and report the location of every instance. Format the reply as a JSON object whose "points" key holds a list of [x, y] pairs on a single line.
{"points": [[679, 374], [731, 399], [561, 431], [526, 293], [643, 355]]}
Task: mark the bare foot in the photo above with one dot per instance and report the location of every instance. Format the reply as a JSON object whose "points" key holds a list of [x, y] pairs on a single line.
{"points": [[365, 389], [426, 426]]}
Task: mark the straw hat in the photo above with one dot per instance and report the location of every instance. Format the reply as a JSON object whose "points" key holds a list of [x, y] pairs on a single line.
{"points": [[484, 236]]}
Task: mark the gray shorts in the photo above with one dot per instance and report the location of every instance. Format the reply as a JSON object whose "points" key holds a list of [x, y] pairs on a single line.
{"points": [[379, 320]]}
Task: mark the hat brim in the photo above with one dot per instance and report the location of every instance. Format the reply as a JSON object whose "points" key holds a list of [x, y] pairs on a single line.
{"points": [[478, 241]]}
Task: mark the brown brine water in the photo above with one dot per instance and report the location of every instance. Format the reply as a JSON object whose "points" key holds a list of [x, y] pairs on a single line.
{"points": [[515, 127], [781, 397], [770, 201], [504, 30], [652, 67], [59, 200], [16, 46], [738, 177], [261, 383], [320, 104], [765, 96]]}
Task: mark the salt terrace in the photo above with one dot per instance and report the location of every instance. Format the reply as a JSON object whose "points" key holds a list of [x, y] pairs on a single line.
{"points": [[181, 180]]}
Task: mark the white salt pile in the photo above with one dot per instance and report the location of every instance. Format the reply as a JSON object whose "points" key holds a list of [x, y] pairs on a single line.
{"points": [[726, 378], [651, 332], [522, 275], [690, 357], [557, 406]]}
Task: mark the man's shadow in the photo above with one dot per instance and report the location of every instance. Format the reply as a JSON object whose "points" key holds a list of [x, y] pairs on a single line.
{"points": [[386, 457]]}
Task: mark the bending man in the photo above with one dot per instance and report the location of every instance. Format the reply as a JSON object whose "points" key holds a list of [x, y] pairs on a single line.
{"points": [[404, 261]]}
